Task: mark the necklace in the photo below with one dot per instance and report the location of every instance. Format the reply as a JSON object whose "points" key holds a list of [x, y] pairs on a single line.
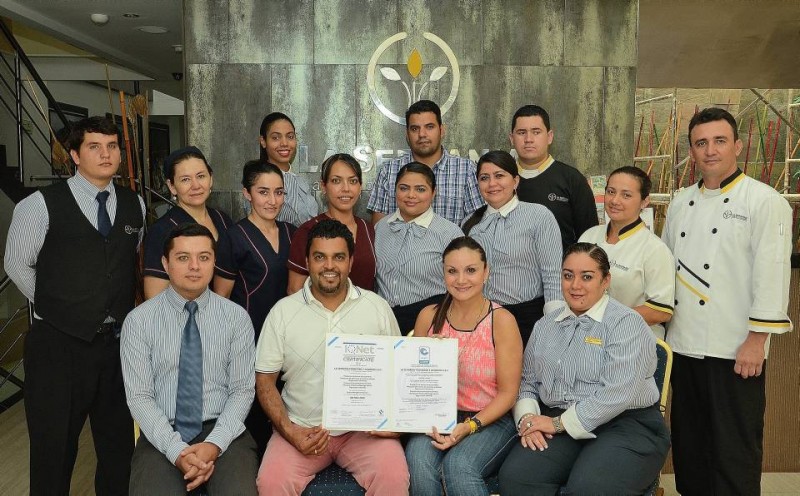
{"points": [[474, 321]]}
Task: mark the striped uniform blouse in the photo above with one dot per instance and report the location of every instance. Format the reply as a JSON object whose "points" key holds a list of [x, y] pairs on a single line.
{"points": [[523, 249], [409, 256], [596, 366]]}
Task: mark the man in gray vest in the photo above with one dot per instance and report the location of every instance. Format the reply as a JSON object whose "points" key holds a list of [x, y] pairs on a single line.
{"points": [[71, 250]]}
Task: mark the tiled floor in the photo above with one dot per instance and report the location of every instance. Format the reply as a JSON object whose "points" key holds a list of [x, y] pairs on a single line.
{"points": [[14, 466], [772, 484]]}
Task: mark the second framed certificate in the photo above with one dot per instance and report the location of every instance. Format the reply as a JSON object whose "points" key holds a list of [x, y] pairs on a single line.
{"points": [[384, 383]]}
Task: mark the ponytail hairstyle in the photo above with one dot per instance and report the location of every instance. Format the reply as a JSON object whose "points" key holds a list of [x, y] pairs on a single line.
{"points": [[645, 184], [595, 253], [501, 159], [263, 130], [254, 168], [443, 307]]}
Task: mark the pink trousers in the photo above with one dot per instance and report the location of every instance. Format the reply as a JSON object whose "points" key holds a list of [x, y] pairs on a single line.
{"points": [[378, 464]]}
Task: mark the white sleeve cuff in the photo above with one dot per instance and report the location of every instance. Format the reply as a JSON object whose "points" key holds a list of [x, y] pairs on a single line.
{"points": [[524, 406], [573, 426]]}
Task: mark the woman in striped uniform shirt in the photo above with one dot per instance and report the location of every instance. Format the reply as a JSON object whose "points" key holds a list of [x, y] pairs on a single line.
{"points": [[341, 184], [251, 263], [189, 179], [489, 369], [278, 145], [409, 245], [642, 267], [522, 243], [587, 412]]}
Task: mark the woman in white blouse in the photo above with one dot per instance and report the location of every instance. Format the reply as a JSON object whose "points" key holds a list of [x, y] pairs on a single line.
{"points": [[642, 266]]}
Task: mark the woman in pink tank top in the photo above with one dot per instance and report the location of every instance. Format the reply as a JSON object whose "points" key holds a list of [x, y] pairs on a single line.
{"points": [[489, 371]]}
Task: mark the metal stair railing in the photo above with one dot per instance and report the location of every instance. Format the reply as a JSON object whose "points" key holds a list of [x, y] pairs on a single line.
{"points": [[24, 106]]}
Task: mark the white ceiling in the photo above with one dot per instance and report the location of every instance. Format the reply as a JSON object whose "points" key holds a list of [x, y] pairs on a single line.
{"points": [[682, 43], [118, 41]]}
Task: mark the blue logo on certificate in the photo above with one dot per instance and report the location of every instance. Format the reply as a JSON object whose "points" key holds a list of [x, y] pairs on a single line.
{"points": [[424, 355]]}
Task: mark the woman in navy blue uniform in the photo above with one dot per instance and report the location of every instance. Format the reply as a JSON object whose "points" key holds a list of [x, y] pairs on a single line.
{"points": [[189, 179], [251, 263]]}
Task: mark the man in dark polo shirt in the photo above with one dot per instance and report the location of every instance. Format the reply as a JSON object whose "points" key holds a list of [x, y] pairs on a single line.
{"points": [[71, 250], [544, 180]]}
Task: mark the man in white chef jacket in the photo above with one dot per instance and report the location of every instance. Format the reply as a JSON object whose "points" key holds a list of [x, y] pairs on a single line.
{"points": [[731, 237]]}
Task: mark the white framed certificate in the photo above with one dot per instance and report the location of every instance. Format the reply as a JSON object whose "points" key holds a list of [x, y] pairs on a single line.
{"points": [[390, 383]]}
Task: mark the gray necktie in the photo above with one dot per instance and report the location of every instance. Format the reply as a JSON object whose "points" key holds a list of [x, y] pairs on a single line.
{"points": [[189, 401]]}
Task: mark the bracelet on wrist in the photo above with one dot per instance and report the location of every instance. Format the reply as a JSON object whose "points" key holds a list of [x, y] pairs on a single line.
{"points": [[522, 419], [473, 427]]}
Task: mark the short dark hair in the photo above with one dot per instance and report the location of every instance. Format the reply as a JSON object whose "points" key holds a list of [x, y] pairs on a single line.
{"points": [[266, 123], [331, 229], [187, 229], [348, 159], [531, 111], [645, 184], [254, 168], [424, 106], [418, 168], [595, 253], [712, 114], [94, 124], [179, 156]]}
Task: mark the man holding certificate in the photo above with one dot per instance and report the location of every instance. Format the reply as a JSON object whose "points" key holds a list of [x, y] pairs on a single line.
{"points": [[293, 342]]}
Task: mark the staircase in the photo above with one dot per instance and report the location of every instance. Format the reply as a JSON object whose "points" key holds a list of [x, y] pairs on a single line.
{"points": [[26, 106]]}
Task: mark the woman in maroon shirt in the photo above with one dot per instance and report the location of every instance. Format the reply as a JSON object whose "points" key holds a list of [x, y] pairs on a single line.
{"points": [[341, 185]]}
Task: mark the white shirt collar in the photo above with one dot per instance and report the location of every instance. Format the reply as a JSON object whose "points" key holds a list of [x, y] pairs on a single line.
{"points": [[505, 209], [595, 313], [423, 220]]}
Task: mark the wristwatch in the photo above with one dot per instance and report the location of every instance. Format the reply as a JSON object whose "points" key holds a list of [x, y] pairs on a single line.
{"points": [[557, 425]]}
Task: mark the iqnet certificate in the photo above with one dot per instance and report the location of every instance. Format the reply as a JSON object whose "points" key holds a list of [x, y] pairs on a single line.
{"points": [[390, 383]]}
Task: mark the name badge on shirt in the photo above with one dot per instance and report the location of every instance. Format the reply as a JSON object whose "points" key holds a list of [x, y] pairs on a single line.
{"points": [[594, 341]]}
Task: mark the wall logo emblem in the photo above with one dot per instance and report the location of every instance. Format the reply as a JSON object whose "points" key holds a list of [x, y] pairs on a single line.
{"points": [[415, 69]]}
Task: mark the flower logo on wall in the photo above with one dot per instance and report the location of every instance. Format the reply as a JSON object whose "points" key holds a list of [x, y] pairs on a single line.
{"points": [[414, 66]]}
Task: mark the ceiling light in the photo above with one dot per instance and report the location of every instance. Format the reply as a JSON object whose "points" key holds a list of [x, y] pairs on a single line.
{"points": [[131, 15], [152, 29], [99, 19]]}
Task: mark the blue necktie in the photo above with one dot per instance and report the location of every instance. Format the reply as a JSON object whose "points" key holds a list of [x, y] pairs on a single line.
{"points": [[189, 401], [103, 220]]}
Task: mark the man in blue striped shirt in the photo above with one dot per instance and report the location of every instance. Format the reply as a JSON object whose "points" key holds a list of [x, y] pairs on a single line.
{"points": [[457, 194], [188, 440]]}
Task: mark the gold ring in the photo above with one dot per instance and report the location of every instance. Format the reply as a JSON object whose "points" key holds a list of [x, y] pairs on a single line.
{"points": [[529, 424]]}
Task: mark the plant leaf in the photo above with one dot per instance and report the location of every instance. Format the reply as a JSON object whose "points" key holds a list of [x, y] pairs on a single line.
{"points": [[390, 74], [438, 73]]}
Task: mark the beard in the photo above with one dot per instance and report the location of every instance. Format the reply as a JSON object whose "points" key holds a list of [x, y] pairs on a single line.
{"points": [[322, 287]]}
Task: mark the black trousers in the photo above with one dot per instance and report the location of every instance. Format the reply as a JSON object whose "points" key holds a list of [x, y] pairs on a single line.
{"points": [[66, 380], [527, 313], [406, 315], [624, 459], [717, 427], [234, 471]]}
